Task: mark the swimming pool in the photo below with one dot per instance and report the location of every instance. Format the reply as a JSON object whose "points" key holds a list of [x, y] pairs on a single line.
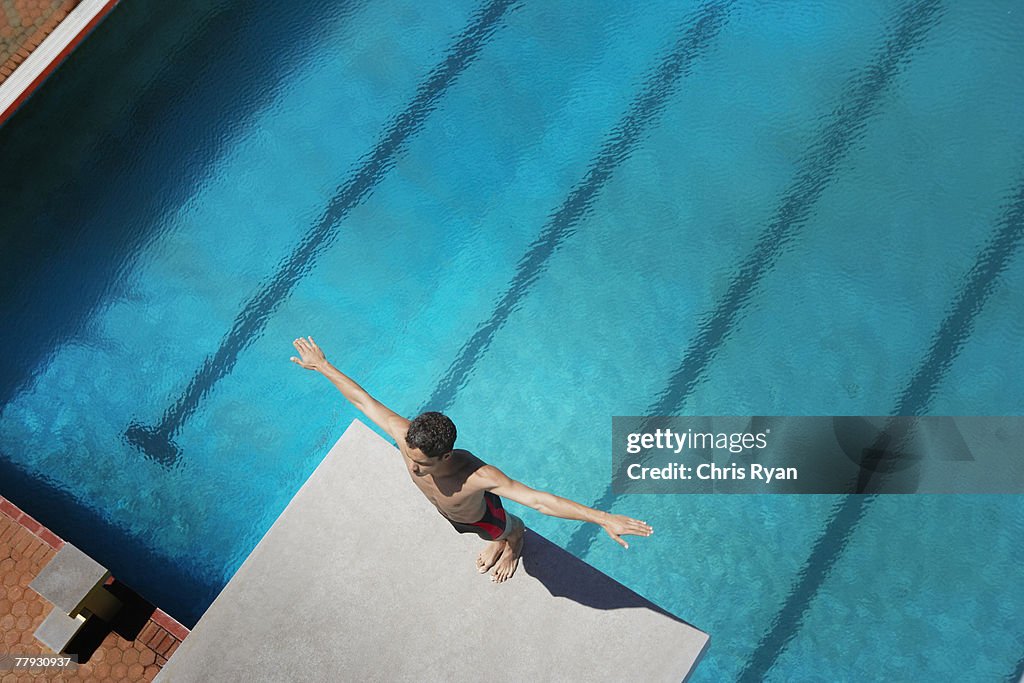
{"points": [[533, 218]]}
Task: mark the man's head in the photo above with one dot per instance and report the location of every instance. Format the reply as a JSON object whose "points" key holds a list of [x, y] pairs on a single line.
{"points": [[433, 434]]}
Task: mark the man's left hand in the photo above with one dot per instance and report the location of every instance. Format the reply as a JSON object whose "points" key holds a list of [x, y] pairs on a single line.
{"points": [[618, 525]]}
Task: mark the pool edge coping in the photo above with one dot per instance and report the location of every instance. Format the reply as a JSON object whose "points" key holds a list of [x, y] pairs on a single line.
{"points": [[16, 89], [34, 527]]}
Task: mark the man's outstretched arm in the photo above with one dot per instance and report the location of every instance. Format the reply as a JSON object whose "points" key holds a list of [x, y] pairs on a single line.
{"points": [[312, 358], [614, 525]]}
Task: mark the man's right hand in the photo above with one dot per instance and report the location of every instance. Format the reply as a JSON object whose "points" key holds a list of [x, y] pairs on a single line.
{"points": [[311, 357]]}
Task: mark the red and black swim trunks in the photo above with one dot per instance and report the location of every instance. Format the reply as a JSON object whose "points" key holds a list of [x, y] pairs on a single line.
{"points": [[491, 526]]}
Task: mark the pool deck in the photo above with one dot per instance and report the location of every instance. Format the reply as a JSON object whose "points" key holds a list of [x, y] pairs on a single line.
{"points": [[349, 585]]}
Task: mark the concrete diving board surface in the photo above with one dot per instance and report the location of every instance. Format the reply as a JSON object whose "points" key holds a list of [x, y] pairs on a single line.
{"points": [[360, 579]]}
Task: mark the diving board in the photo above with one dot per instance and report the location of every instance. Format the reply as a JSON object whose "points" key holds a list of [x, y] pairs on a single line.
{"points": [[360, 579]]}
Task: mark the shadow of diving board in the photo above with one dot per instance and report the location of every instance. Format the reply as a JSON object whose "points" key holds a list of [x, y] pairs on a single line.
{"points": [[360, 579]]}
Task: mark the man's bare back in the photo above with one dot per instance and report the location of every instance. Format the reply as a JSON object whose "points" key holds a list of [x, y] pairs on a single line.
{"points": [[464, 489]]}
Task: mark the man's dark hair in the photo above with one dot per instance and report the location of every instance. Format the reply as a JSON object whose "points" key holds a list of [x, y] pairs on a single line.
{"points": [[432, 433]]}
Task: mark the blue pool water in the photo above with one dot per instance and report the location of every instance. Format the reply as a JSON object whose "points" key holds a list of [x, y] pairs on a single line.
{"points": [[533, 217]]}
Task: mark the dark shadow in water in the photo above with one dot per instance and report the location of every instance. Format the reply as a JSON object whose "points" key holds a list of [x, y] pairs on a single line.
{"points": [[157, 441], [643, 111], [183, 595], [117, 136]]}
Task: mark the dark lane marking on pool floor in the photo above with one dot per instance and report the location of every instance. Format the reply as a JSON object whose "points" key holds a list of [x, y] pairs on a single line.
{"points": [[981, 279], [157, 442], [620, 142], [847, 123], [953, 333]]}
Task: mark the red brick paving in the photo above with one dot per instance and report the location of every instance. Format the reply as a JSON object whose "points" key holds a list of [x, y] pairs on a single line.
{"points": [[23, 553], [23, 26]]}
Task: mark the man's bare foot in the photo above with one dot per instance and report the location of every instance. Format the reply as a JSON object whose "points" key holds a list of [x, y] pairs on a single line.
{"points": [[489, 555], [507, 564]]}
